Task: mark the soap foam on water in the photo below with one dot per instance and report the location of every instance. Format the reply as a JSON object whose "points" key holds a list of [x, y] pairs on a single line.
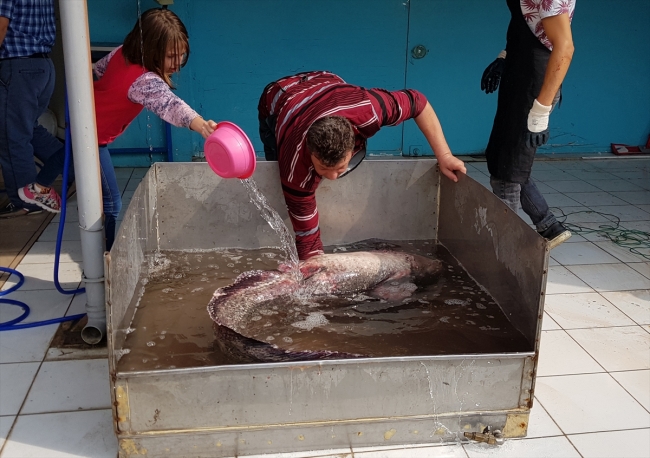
{"points": [[313, 320]]}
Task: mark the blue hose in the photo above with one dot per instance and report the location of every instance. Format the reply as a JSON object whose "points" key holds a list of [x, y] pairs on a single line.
{"points": [[13, 324]]}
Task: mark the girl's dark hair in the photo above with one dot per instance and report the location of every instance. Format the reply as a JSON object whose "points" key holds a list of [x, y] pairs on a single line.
{"points": [[329, 139], [154, 32]]}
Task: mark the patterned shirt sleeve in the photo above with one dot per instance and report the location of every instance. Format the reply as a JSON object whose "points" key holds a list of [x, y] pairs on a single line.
{"points": [[303, 213], [151, 91], [395, 107], [100, 66]]}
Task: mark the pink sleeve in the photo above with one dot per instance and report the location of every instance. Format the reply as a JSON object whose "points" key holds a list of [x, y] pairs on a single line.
{"points": [[151, 91], [100, 66]]}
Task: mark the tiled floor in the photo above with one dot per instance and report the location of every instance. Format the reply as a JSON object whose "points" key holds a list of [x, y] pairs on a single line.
{"points": [[593, 385]]}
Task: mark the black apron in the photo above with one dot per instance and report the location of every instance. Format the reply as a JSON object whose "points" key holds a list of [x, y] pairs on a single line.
{"points": [[508, 156]]}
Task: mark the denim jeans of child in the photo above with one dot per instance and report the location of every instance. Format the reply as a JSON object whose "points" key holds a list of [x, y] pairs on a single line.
{"points": [[110, 195], [528, 197]]}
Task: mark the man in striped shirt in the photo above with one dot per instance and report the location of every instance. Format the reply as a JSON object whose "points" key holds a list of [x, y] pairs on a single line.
{"points": [[316, 126]]}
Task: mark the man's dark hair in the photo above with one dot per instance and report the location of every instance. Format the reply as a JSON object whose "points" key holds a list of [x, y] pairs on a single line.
{"points": [[329, 139]]}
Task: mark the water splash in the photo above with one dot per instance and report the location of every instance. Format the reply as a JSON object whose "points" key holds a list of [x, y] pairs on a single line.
{"points": [[272, 217]]}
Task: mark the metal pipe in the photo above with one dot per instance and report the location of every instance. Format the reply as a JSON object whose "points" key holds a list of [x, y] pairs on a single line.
{"points": [[78, 71]]}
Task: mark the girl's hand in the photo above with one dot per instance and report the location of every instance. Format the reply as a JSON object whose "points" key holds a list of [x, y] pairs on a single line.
{"points": [[203, 127]]}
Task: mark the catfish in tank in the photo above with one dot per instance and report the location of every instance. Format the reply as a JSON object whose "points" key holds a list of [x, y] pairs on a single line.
{"points": [[258, 317]]}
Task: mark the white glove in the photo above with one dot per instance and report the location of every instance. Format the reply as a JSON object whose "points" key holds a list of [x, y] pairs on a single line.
{"points": [[538, 117]]}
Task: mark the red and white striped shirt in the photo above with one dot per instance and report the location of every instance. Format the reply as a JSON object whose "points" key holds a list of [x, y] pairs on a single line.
{"points": [[300, 100]]}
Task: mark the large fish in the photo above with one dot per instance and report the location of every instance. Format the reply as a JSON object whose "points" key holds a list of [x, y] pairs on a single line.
{"points": [[246, 312]]}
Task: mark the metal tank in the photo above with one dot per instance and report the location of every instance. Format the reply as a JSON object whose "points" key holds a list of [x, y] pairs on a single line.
{"points": [[234, 410]]}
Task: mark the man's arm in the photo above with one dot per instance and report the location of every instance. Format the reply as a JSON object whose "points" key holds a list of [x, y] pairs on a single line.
{"points": [[4, 25], [430, 126], [301, 206], [558, 31]]}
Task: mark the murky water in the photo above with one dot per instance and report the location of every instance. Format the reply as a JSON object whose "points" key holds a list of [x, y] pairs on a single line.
{"points": [[453, 315]]}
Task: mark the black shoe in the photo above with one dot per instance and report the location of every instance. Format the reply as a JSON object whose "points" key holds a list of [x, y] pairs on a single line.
{"points": [[555, 234], [11, 211]]}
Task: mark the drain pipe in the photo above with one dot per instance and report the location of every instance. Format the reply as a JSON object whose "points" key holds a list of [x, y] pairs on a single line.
{"points": [[79, 82]]}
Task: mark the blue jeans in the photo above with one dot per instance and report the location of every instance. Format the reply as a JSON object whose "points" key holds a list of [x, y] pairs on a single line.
{"points": [[111, 197], [26, 86], [529, 197]]}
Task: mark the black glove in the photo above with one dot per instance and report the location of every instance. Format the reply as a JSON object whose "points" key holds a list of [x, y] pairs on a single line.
{"points": [[492, 75], [536, 139]]}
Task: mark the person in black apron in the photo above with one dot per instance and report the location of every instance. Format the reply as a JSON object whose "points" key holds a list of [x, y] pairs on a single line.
{"points": [[521, 121]]}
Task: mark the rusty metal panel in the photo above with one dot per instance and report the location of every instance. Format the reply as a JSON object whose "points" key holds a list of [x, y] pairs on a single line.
{"points": [[497, 248]]}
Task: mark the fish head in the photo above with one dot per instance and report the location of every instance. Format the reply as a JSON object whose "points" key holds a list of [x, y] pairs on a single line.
{"points": [[425, 270]]}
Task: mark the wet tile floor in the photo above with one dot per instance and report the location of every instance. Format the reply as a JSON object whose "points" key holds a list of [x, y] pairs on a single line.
{"points": [[592, 395]]}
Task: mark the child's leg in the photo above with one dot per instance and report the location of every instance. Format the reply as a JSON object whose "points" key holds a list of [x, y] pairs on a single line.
{"points": [[52, 168], [111, 195]]}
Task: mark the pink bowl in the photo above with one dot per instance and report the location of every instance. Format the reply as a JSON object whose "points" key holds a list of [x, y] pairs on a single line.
{"points": [[229, 152]]}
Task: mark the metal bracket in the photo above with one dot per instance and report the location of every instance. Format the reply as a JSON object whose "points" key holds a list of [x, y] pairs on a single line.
{"points": [[489, 437]]}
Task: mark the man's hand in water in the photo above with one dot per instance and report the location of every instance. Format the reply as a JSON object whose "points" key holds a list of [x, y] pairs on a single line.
{"points": [[203, 127], [449, 164]]}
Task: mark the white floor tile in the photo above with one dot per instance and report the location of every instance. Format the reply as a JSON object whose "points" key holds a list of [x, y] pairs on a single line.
{"points": [[569, 254], [643, 226], [440, 451], [593, 174], [63, 435], [615, 185], [595, 198], [337, 453], [71, 231], [635, 304], [633, 197], [619, 252], [26, 345], [581, 214], [71, 214], [621, 212], [123, 172], [43, 252], [592, 232], [616, 349], [625, 444], [642, 267], [589, 403], [610, 277], [637, 383], [562, 281], [43, 305], [15, 380], [641, 182], [556, 199], [552, 262], [645, 208], [548, 324], [573, 186], [586, 310], [78, 305], [70, 385], [41, 276], [5, 426], [559, 354], [547, 176], [530, 448], [540, 423]]}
